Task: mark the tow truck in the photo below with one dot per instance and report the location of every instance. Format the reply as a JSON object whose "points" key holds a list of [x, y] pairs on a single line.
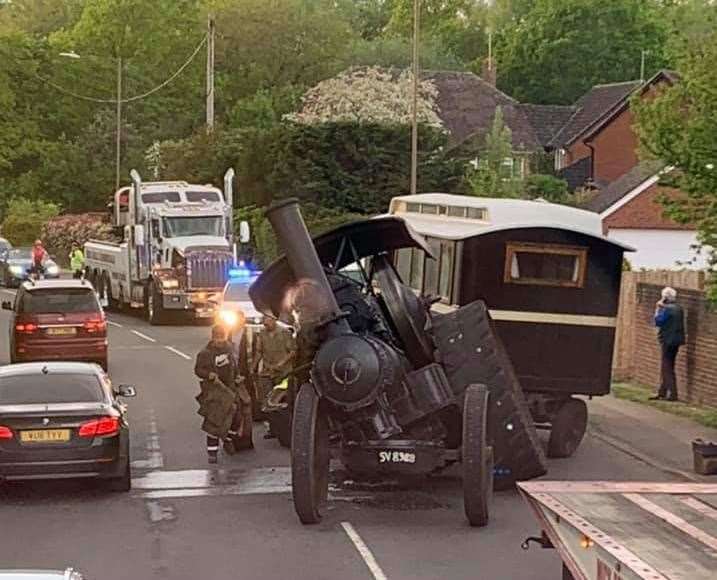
{"points": [[176, 252], [605, 530]]}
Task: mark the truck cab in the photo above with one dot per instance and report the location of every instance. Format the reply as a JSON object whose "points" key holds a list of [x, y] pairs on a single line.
{"points": [[176, 249]]}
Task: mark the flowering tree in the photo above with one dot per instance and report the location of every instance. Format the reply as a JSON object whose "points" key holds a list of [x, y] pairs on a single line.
{"points": [[369, 95]]}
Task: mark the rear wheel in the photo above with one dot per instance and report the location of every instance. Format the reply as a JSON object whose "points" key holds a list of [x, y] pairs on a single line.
{"points": [[123, 483], [477, 456], [309, 456], [568, 429]]}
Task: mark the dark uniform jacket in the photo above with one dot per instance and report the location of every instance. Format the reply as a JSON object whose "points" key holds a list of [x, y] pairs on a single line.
{"points": [[671, 321], [217, 399]]}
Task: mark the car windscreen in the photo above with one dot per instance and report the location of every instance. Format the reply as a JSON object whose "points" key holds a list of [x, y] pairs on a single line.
{"points": [[20, 254], [62, 300], [196, 196], [50, 388], [237, 293]]}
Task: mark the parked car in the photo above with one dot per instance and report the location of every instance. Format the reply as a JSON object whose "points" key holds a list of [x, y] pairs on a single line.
{"points": [[57, 320], [5, 248], [16, 267], [60, 420]]}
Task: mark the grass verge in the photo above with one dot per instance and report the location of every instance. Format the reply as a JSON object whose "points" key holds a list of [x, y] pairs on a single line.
{"points": [[703, 415]]}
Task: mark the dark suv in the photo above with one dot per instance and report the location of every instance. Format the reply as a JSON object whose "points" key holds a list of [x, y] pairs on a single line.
{"points": [[57, 320]]}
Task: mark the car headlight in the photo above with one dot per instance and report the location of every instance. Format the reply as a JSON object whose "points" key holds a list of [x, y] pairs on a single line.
{"points": [[229, 318], [16, 269], [52, 269], [170, 283]]}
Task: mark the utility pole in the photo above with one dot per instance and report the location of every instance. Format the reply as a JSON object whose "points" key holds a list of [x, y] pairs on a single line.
{"points": [[118, 159], [210, 73], [414, 112], [643, 53]]}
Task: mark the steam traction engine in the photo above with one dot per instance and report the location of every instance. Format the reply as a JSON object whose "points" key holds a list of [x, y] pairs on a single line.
{"points": [[390, 387]]}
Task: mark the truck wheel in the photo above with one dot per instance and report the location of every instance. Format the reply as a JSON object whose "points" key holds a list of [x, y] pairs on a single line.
{"points": [[309, 456], [477, 456], [153, 305], [568, 430]]}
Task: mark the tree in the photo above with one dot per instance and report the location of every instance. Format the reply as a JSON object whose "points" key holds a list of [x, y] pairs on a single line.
{"points": [[24, 220], [561, 48], [489, 177], [679, 127]]}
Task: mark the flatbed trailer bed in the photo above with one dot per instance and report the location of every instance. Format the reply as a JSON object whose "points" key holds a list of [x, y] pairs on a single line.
{"points": [[622, 531]]}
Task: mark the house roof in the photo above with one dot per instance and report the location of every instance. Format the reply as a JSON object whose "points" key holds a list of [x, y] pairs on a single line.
{"points": [[547, 120], [467, 105], [622, 186], [592, 107]]}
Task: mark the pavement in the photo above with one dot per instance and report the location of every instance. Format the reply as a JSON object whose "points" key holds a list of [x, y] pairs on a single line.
{"points": [[186, 520]]}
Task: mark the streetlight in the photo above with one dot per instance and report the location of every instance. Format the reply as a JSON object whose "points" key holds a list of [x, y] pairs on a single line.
{"points": [[414, 112], [118, 137]]}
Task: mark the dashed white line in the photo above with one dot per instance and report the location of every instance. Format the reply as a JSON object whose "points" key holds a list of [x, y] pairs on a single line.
{"points": [[178, 352], [364, 551], [115, 324], [10, 292], [144, 336]]}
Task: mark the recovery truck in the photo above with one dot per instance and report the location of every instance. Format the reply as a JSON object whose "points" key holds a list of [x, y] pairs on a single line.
{"points": [[176, 252]]}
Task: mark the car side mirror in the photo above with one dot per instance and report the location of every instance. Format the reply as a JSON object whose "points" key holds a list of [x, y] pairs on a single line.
{"points": [[6, 305], [126, 391]]}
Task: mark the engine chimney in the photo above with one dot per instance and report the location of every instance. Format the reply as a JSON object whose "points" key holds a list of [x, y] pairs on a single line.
{"points": [[288, 225]]}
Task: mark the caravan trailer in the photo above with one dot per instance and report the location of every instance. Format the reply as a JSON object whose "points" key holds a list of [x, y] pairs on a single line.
{"points": [[551, 280]]}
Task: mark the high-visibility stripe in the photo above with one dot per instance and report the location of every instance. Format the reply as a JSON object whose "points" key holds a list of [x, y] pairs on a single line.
{"points": [[540, 317], [553, 318]]}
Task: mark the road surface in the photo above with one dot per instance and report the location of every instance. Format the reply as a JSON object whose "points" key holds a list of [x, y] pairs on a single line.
{"points": [[186, 520]]}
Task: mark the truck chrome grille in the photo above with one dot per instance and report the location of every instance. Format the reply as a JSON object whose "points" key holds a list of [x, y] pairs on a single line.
{"points": [[206, 269]]}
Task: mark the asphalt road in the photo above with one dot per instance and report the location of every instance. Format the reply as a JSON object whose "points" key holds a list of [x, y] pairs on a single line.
{"points": [[184, 520]]}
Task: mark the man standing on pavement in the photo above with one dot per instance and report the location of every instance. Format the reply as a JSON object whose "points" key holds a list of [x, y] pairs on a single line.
{"points": [[77, 261], [274, 350], [223, 401], [670, 319]]}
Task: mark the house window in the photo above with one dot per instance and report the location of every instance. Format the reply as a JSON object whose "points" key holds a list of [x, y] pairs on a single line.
{"points": [[545, 264]]}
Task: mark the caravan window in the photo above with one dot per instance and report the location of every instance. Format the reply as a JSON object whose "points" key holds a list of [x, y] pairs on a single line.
{"points": [[429, 277], [545, 264]]}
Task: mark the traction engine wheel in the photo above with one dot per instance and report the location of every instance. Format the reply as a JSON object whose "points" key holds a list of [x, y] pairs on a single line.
{"points": [[568, 429], [477, 456], [309, 456]]}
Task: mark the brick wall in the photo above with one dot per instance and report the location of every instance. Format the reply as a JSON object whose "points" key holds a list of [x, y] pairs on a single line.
{"points": [[615, 149], [645, 212], [697, 360]]}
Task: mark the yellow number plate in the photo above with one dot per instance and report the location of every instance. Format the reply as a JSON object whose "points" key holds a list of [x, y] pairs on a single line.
{"points": [[62, 331], [45, 436]]}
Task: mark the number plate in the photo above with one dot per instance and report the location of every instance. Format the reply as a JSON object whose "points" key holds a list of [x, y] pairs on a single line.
{"points": [[62, 331], [45, 436], [396, 457], [204, 313]]}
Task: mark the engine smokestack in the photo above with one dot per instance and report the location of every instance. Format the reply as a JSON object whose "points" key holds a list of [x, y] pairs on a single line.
{"points": [[288, 225]]}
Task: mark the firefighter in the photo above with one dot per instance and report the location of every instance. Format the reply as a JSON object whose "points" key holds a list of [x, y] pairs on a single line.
{"points": [[274, 351], [224, 401]]}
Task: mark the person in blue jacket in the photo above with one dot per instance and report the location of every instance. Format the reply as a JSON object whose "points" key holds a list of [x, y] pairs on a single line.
{"points": [[670, 320]]}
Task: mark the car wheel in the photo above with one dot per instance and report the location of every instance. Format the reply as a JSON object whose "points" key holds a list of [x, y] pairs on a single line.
{"points": [[123, 482]]}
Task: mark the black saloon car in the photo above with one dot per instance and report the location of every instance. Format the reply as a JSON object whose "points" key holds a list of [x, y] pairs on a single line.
{"points": [[63, 420], [16, 267]]}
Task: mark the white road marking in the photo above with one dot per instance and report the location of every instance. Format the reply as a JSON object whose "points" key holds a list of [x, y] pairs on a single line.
{"points": [[10, 292], [155, 459], [159, 513], [364, 551], [116, 324], [144, 336], [178, 352]]}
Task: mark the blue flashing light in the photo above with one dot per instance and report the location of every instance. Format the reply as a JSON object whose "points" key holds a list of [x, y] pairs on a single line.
{"points": [[240, 273]]}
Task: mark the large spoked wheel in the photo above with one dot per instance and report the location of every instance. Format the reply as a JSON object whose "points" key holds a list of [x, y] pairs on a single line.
{"points": [[568, 429], [309, 456], [477, 456]]}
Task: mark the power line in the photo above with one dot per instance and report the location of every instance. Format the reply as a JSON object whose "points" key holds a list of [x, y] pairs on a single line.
{"points": [[159, 87]]}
